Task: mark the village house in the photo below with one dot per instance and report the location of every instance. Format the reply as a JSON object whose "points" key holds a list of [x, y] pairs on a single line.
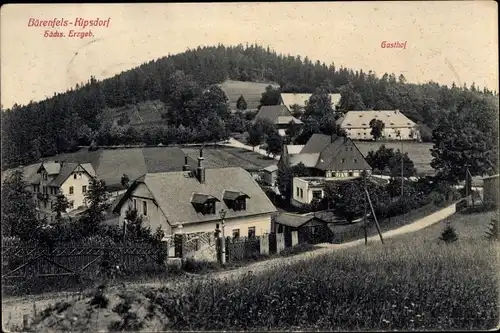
{"points": [[269, 175], [280, 116], [51, 178], [396, 125], [301, 100], [328, 158], [191, 201]]}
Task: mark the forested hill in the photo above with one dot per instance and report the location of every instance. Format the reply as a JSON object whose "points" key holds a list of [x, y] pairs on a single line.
{"points": [[76, 117]]}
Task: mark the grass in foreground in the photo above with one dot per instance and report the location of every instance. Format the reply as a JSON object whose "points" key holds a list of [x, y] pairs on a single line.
{"points": [[412, 282]]}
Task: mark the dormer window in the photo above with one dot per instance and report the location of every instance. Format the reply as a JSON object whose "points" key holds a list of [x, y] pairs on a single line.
{"points": [[235, 200], [204, 203]]}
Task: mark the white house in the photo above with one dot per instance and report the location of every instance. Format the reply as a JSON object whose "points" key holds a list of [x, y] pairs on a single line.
{"points": [[357, 125], [52, 178], [191, 201]]}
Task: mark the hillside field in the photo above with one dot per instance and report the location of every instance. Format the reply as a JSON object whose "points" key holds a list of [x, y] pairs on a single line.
{"points": [[251, 91], [419, 152], [412, 282], [139, 114]]}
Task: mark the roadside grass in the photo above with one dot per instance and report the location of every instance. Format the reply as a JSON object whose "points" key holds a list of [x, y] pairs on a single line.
{"points": [[413, 282]]}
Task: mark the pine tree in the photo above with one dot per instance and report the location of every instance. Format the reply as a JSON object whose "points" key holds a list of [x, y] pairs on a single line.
{"points": [[449, 235], [241, 104], [60, 206]]}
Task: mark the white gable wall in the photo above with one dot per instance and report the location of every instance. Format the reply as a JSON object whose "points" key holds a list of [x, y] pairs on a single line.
{"points": [[78, 196]]}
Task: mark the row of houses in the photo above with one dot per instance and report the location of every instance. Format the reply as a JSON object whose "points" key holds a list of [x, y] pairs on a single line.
{"points": [[356, 123]]}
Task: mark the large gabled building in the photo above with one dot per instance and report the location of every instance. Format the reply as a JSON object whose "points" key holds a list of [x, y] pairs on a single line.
{"points": [[190, 201], [396, 125], [328, 158]]}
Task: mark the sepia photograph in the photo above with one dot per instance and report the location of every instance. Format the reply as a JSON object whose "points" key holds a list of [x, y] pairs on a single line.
{"points": [[250, 166]]}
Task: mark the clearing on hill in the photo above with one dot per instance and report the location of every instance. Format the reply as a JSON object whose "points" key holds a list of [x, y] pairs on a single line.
{"points": [[251, 91]]}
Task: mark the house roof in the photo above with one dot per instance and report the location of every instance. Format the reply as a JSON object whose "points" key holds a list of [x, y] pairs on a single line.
{"points": [[295, 220], [321, 153], [271, 168], [294, 149], [309, 160], [67, 169], [173, 192], [273, 112], [360, 119], [490, 177], [27, 170], [289, 99], [283, 120], [52, 168]]}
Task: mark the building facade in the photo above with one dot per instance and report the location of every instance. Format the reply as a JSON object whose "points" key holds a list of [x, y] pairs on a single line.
{"points": [[396, 125]]}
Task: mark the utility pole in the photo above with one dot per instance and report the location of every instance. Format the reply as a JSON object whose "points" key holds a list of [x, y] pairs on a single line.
{"points": [[467, 184], [223, 239], [374, 216], [364, 216]]}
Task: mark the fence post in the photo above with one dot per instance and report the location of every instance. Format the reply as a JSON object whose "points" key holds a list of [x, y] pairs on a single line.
{"points": [[280, 243], [295, 238], [264, 244], [179, 242]]}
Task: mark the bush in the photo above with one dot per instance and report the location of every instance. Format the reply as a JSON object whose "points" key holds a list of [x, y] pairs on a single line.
{"points": [[299, 248], [449, 235], [493, 232], [199, 266], [436, 198]]}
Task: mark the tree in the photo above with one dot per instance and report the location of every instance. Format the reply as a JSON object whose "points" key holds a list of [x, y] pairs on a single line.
{"points": [[465, 139], [292, 131], [350, 99], [60, 205], [97, 199], [255, 136], [241, 104], [270, 97], [135, 229], [124, 181], [377, 127], [394, 165], [379, 160], [274, 144], [286, 175], [18, 208], [449, 234]]}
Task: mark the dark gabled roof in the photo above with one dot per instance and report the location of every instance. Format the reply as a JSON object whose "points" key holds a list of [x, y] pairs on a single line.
{"points": [[272, 112], [295, 220], [173, 191], [199, 198], [233, 195], [67, 169], [331, 154], [316, 144], [166, 159]]}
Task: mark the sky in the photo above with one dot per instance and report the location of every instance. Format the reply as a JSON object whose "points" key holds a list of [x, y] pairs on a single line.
{"points": [[445, 41]]}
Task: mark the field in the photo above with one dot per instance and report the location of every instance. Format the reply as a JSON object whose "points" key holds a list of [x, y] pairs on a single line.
{"points": [[140, 114], [413, 282], [251, 91], [419, 152]]}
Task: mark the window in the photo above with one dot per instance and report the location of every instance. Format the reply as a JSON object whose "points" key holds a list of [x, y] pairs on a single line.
{"points": [[240, 204], [298, 191], [74, 176], [317, 194], [84, 189], [236, 233], [145, 208], [251, 232], [135, 204], [301, 193], [343, 160], [359, 133], [351, 174], [71, 204], [71, 190]]}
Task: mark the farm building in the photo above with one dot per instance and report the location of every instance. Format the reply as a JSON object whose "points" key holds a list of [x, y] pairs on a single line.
{"points": [[357, 125], [278, 115], [269, 175], [327, 158], [309, 226], [301, 100], [191, 201], [490, 190]]}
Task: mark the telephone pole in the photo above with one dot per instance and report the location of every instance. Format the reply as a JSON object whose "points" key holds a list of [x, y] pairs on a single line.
{"points": [[364, 216], [223, 239]]}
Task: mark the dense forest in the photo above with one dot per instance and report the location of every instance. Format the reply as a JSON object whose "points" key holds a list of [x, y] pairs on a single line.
{"points": [[197, 109]]}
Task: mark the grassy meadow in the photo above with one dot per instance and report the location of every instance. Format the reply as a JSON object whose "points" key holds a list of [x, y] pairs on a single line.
{"points": [[413, 282], [251, 91]]}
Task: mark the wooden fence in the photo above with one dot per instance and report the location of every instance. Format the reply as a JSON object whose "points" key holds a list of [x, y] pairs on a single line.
{"points": [[22, 262]]}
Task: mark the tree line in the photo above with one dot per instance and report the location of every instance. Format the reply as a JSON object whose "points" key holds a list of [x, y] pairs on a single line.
{"points": [[77, 117]]}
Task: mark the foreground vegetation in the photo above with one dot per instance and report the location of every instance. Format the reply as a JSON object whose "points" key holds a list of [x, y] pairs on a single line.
{"points": [[413, 282]]}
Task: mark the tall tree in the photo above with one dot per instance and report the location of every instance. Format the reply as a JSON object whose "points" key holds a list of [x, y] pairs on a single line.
{"points": [[18, 208], [274, 144], [270, 97], [97, 198], [255, 136], [60, 205], [377, 127]]}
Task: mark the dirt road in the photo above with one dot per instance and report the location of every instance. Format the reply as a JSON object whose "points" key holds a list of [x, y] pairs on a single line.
{"points": [[237, 144]]}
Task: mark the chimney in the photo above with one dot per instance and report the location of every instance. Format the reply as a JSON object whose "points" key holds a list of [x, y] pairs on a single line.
{"points": [[201, 169], [185, 167]]}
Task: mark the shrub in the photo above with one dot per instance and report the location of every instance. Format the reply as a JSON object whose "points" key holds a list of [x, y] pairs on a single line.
{"points": [[437, 198], [493, 232], [449, 235], [199, 266], [99, 299], [299, 248]]}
